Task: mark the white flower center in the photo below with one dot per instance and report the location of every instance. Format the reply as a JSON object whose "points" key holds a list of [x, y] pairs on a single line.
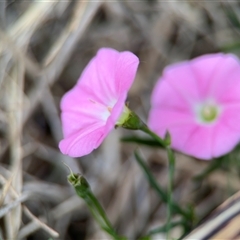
{"points": [[103, 111], [106, 112]]}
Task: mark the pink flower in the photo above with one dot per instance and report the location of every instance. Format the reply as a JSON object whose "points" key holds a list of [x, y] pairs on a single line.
{"points": [[91, 109], [198, 102]]}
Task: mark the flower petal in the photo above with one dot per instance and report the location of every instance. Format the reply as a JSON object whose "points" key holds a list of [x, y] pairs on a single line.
{"points": [[91, 109], [230, 117], [127, 65], [83, 142], [182, 79], [116, 112], [210, 79], [224, 139], [165, 96], [79, 111], [226, 82], [186, 135], [163, 119], [109, 74], [199, 142], [204, 69]]}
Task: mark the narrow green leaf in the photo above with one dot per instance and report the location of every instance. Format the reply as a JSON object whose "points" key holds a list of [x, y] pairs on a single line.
{"points": [[214, 165], [231, 47], [164, 228], [154, 184], [151, 179], [232, 16]]}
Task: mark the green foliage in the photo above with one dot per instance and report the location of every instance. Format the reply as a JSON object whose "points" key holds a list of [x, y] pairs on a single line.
{"points": [[83, 190]]}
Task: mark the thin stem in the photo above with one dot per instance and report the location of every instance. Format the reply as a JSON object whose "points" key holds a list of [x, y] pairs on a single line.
{"points": [[145, 129], [171, 162]]}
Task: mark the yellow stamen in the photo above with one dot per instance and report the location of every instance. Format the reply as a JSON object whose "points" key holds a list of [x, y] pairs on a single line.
{"points": [[109, 109]]}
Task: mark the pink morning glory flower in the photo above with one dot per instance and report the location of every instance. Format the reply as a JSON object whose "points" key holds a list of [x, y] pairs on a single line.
{"points": [[91, 109], [198, 102]]}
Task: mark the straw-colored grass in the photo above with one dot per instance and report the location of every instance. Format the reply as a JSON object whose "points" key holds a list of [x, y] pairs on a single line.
{"points": [[44, 46]]}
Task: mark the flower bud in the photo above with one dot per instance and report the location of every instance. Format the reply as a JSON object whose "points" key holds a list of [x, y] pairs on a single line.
{"points": [[79, 183]]}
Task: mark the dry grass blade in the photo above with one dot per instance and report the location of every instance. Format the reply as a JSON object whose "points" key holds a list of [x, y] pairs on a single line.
{"points": [[42, 225], [2, 13], [224, 224], [51, 112], [50, 154], [50, 74], [59, 211], [79, 11], [46, 152], [10, 206], [46, 191], [13, 51], [36, 14], [21, 32], [15, 108], [44, 47], [19, 199]]}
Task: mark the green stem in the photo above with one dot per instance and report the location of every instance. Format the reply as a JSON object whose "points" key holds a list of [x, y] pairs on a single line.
{"points": [[171, 162], [163, 142]]}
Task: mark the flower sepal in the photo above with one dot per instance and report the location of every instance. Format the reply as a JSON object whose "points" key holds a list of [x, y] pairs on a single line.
{"points": [[129, 120]]}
